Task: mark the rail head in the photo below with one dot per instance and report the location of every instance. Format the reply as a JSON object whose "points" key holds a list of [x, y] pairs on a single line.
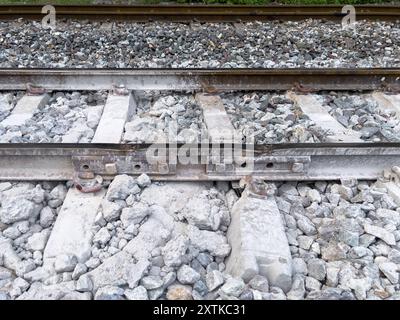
{"points": [[314, 79], [211, 162], [203, 13]]}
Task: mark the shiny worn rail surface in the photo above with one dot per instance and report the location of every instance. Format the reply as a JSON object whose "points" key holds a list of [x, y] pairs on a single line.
{"points": [[282, 162], [209, 13], [208, 80]]}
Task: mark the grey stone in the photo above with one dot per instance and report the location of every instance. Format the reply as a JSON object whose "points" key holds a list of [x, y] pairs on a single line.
{"points": [[65, 263], [305, 242], [299, 266], [360, 287], [277, 294], [312, 284], [102, 236], [79, 270], [298, 290], [137, 272], [141, 246], [187, 275], [389, 269], [380, 233], [314, 195], [388, 216], [109, 293], [134, 214], [15, 205], [46, 217], [151, 282], [143, 180], [99, 220], [214, 279], [196, 265], [5, 273], [366, 240], [110, 210], [11, 233], [200, 287], [212, 266], [348, 237], [39, 274], [259, 283], [305, 225], [57, 196], [233, 287], [394, 256], [118, 270], [216, 244], [120, 187], [169, 279], [77, 296], [138, 293], [39, 291], [84, 284], [246, 295], [334, 251], [358, 252], [204, 259], [316, 269], [21, 284], [201, 212], [155, 293], [22, 226], [174, 251], [37, 242], [24, 267]]}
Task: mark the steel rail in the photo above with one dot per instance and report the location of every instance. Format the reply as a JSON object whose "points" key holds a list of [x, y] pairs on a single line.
{"points": [[283, 162], [203, 13], [208, 80]]}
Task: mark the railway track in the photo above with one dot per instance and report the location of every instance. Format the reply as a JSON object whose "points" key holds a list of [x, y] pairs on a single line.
{"points": [[91, 218], [272, 162], [201, 13], [207, 80]]}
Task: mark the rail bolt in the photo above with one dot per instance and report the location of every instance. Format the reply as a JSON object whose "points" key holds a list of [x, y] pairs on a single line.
{"points": [[298, 167]]}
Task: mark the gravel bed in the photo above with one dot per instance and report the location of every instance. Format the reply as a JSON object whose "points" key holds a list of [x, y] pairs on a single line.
{"points": [[67, 117], [162, 116], [344, 240], [361, 113], [309, 43], [184, 259], [27, 215], [270, 118]]}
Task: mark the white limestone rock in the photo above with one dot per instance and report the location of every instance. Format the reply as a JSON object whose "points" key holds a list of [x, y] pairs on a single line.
{"points": [[138, 293], [174, 251], [65, 263]]}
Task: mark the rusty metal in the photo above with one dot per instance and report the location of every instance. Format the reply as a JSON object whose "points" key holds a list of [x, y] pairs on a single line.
{"points": [[281, 162], [195, 79], [201, 13], [33, 90], [86, 185]]}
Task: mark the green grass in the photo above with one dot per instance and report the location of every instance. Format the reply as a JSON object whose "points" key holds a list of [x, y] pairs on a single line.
{"points": [[242, 2], [64, 2], [250, 2]]}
